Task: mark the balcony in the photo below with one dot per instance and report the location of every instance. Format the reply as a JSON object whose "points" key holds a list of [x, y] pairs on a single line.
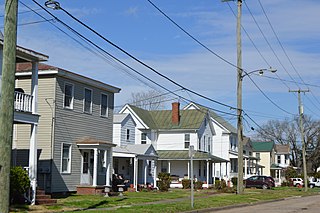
{"points": [[22, 102]]}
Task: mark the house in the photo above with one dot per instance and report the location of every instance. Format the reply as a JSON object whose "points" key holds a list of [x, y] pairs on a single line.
{"points": [[265, 151], [281, 162], [171, 133], [132, 161], [74, 140], [26, 107]]}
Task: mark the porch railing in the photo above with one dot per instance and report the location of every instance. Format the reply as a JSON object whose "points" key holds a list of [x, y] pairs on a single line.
{"points": [[22, 102]]}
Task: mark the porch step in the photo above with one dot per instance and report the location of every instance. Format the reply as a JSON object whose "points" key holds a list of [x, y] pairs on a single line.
{"points": [[43, 199]]}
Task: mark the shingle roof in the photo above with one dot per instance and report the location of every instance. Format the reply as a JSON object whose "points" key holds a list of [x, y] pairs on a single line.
{"points": [[118, 118], [161, 119], [282, 149], [184, 155], [262, 146]]}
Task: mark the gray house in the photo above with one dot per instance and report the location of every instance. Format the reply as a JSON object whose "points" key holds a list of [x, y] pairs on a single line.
{"points": [[74, 137]]}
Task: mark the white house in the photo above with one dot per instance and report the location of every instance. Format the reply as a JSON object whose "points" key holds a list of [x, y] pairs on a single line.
{"points": [[171, 133]]}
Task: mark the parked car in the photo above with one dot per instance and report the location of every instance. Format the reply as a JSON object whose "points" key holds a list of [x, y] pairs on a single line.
{"points": [[314, 182], [260, 181], [297, 181]]}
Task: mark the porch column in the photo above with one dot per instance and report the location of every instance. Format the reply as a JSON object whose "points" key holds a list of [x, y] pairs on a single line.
{"points": [[155, 175], [208, 173], [227, 169], [33, 162], [220, 172], [145, 171], [279, 176], [245, 167], [34, 87], [107, 157], [135, 173], [169, 167], [214, 172], [95, 167], [188, 164]]}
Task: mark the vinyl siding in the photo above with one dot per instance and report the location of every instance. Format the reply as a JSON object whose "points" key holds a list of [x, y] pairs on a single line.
{"points": [[72, 125], [128, 123]]}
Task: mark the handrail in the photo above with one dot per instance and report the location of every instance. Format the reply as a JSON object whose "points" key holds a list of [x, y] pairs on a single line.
{"points": [[22, 102]]}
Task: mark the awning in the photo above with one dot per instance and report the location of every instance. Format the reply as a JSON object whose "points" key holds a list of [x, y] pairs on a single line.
{"points": [[184, 155], [91, 143], [141, 151]]}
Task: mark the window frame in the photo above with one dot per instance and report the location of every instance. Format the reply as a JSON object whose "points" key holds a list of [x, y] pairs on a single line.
{"points": [[84, 100], [186, 141], [64, 96], [107, 106], [69, 159], [127, 134], [143, 141]]}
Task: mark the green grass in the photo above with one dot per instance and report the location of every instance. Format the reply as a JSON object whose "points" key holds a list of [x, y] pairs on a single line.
{"points": [[176, 200]]}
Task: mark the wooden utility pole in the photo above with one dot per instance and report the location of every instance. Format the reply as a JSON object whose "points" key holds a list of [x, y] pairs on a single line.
{"points": [[305, 179], [7, 100]]}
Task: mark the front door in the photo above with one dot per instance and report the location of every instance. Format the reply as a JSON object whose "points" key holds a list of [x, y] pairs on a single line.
{"points": [[86, 176]]}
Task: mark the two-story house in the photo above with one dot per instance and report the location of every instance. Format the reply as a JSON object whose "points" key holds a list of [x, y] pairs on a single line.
{"points": [[281, 162], [74, 140], [172, 132], [265, 152], [26, 108]]}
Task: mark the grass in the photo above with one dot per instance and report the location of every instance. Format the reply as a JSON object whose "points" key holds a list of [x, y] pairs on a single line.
{"points": [[176, 200]]}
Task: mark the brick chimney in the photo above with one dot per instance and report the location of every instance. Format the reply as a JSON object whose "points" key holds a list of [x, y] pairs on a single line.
{"points": [[175, 113]]}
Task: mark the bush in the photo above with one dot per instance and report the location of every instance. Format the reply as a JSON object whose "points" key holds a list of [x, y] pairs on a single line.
{"points": [[186, 183], [220, 184], [164, 181], [290, 172], [286, 183], [19, 184], [198, 185], [234, 181]]}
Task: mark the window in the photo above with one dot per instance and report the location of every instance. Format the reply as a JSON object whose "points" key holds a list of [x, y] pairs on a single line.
{"points": [[209, 144], [143, 138], [87, 105], [186, 141], [204, 143], [279, 159], [104, 105], [199, 144], [128, 134], [258, 155], [66, 158], [68, 96]]}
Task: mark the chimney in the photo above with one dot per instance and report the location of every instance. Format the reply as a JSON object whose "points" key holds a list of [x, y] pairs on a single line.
{"points": [[175, 113]]}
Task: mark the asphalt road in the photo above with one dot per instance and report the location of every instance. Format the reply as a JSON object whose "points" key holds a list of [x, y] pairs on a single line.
{"points": [[309, 204]]}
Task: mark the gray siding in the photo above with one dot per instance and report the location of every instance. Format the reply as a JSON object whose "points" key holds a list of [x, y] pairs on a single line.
{"points": [[128, 123], [72, 125]]}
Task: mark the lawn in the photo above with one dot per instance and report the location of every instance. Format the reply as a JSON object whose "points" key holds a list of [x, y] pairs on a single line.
{"points": [[176, 200]]}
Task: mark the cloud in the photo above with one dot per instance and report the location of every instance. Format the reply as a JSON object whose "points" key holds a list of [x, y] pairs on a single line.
{"points": [[132, 11]]}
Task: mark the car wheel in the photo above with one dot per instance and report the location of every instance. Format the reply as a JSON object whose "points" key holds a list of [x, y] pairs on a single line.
{"points": [[264, 186], [311, 186]]}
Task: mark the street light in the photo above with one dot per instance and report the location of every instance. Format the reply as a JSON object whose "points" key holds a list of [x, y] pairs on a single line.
{"points": [[239, 123]]}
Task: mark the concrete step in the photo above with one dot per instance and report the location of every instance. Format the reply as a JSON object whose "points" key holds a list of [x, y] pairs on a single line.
{"points": [[46, 201], [39, 197]]}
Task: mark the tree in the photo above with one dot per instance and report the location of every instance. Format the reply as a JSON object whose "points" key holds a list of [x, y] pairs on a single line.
{"points": [[149, 100], [288, 132]]}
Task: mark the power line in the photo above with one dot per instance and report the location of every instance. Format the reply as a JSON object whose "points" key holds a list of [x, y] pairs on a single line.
{"points": [[33, 22], [121, 62]]}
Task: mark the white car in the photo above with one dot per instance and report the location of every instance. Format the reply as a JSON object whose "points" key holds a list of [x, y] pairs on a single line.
{"points": [[314, 182], [297, 181]]}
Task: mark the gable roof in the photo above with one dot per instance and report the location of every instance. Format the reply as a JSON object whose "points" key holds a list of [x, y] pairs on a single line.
{"points": [[282, 149], [161, 119], [118, 118], [215, 116], [262, 146]]}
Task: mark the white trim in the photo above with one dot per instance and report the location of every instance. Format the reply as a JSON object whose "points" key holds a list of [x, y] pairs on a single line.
{"points": [[70, 159], [40, 72], [107, 110], [64, 94], [84, 96]]}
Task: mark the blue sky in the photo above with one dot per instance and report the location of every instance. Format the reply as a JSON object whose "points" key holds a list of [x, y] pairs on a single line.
{"points": [[140, 29]]}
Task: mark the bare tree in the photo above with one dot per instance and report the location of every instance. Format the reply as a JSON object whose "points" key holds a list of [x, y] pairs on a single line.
{"points": [[288, 132], [149, 100]]}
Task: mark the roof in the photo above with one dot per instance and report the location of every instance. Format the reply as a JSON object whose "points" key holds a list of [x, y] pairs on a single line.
{"points": [[118, 118], [216, 117], [162, 119], [137, 149], [24, 69], [282, 149], [88, 141], [262, 146], [184, 155]]}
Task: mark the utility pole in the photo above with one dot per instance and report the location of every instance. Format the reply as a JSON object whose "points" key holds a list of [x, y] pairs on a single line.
{"points": [[7, 100], [302, 137], [191, 153], [239, 102]]}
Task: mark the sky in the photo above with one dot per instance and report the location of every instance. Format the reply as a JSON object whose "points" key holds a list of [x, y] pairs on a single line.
{"points": [[283, 34]]}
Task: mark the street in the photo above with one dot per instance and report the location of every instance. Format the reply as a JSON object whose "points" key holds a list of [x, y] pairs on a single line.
{"points": [[309, 204]]}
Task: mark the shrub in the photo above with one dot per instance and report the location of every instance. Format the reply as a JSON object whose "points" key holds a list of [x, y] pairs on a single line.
{"points": [[198, 185], [286, 183], [164, 181], [186, 183], [220, 184], [234, 181], [290, 172], [19, 184]]}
